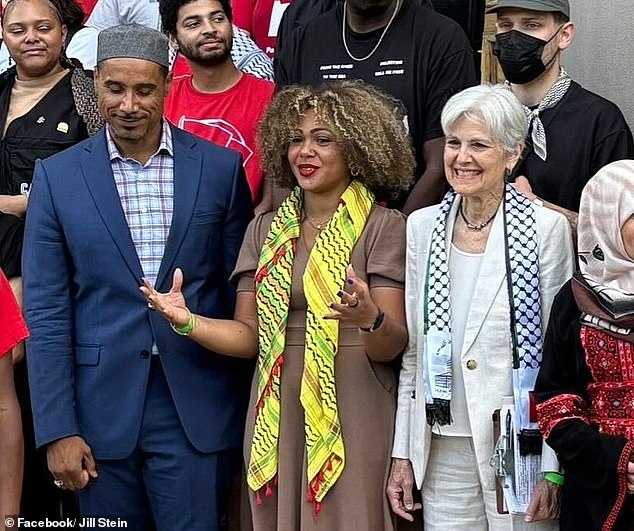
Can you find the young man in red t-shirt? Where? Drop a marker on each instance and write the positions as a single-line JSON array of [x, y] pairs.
[[12, 331], [217, 101]]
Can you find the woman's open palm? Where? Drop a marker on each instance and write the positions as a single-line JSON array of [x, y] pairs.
[[170, 305]]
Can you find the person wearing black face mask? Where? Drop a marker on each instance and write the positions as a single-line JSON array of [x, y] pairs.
[[521, 55], [573, 132]]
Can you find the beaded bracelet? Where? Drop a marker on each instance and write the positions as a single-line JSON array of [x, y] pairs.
[[554, 477], [187, 329]]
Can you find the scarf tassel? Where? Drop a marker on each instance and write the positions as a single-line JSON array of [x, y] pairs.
[[268, 491], [439, 412], [314, 486], [310, 498]]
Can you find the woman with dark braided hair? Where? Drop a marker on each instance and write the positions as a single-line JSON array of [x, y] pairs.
[[320, 304]]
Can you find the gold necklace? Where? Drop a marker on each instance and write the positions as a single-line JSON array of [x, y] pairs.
[[317, 225]]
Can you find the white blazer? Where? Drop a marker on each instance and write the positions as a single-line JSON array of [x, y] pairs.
[[487, 340]]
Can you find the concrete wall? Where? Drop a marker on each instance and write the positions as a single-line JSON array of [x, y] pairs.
[[601, 57]]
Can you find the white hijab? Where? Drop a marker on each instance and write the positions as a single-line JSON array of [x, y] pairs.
[[607, 202]]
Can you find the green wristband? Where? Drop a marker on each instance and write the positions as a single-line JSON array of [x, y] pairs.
[[187, 329], [554, 477]]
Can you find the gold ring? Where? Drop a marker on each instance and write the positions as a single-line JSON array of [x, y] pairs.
[[58, 483], [354, 303]]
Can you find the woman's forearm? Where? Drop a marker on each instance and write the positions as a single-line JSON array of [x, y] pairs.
[[230, 338], [386, 342]]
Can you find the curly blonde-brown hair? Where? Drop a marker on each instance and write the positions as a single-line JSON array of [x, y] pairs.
[[368, 126]]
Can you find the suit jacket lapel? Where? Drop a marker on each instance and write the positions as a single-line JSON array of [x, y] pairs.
[[187, 172], [107, 201], [492, 274]]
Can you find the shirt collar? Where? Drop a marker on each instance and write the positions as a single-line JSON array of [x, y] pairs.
[[165, 144]]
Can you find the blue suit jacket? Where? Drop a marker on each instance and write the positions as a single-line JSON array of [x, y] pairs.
[[91, 329]]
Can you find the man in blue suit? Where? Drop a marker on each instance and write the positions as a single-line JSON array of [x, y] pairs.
[[145, 424]]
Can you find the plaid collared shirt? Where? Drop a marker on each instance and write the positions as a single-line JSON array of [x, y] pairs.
[[147, 198]]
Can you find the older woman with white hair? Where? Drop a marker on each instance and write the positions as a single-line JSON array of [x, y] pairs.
[[482, 270]]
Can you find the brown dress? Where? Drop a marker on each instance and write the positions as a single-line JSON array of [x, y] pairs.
[[366, 395]]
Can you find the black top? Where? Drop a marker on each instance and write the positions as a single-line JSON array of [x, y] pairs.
[[301, 12], [589, 459], [423, 60], [51, 126], [584, 132]]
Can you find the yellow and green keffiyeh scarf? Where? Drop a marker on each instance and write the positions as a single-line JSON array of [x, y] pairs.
[[324, 276]]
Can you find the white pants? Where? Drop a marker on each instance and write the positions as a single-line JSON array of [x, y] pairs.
[[453, 497]]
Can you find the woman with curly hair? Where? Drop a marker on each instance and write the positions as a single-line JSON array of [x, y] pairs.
[[320, 303]]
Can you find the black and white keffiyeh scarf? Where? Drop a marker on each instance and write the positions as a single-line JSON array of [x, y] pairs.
[[522, 273], [535, 125]]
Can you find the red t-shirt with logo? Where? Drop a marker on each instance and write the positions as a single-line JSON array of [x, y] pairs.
[[261, 18], [12, 327], [228, 118]]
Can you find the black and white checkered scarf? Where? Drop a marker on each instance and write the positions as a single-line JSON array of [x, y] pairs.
[[522, 272], [536, 128]]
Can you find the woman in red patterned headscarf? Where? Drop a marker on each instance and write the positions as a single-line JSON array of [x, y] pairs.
[[585, 390]]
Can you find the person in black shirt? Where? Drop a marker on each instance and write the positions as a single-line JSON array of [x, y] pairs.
[[301, 12], [573, 132], [414, 54]]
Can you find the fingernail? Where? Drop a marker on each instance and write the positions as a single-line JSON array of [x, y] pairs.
[[349, 281], [340, 294], [331, 304], [528, 518]]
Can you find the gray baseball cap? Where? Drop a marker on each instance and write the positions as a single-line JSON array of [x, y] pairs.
[[133, 41], [562, 6]]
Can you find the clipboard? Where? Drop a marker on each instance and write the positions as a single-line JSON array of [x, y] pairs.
[[499, 490], [516, 474]]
